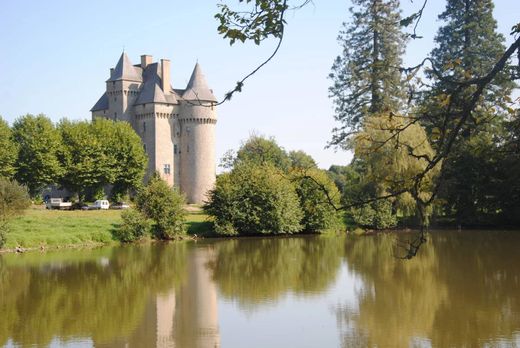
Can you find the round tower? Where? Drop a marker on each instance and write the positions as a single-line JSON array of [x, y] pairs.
[[197, 121]]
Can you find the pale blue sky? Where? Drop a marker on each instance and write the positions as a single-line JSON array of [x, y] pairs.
[[56, 55]]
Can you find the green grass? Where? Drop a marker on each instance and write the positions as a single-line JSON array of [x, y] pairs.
[[51, 228], [199, 223], [55, 229]]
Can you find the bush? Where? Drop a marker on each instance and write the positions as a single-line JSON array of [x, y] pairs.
[[14, 199], [254, 199], [378, 215], [165, 206], [134, 227], [313, 186]]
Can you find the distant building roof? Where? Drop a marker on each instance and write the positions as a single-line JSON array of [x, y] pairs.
[[151, 91], [124, 70], [101, 104], [197, 88]]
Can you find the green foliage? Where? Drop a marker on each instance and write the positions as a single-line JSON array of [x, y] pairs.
[[164, 206], [467, 47], [299, 159], [378, 215], [260, 20], [254, 199], [100, 153], [9, 151], [134, 226], [259, 150], [318, 197], [365, 76], [38, 143], [14, 199]]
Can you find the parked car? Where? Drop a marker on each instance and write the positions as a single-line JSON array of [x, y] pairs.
[[99, 204], [58, 203], [120, 205]]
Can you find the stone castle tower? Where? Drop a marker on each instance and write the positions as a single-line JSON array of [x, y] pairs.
[[177, 126]]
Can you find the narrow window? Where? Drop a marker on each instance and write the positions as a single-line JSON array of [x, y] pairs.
[[187, 148], [167, 169], [175, 149], [144, 147], [115, 116], [144, 126]]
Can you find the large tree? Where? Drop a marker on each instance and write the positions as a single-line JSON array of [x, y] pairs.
[[9, 150], [366, 76], [100, 153], [38, 142], [467, 48]]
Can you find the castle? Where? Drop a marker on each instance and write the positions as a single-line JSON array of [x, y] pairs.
[[177, 126]]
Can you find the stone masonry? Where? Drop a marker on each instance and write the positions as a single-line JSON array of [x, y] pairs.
[[177, 126]]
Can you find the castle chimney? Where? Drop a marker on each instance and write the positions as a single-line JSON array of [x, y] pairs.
[[145, 60], [111, 72], [165, 67]]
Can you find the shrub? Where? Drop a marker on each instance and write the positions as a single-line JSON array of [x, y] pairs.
[[314, 189], [165, 206], [14, 199], [134, 227], [254, 199], [378, 215]]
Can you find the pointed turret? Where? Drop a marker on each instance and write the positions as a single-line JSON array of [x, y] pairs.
[[124, 70], [197, 88]]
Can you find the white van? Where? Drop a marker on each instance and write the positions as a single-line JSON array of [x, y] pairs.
[[100, 204]]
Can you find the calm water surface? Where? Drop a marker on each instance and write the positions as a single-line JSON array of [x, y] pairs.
[[463, 290]]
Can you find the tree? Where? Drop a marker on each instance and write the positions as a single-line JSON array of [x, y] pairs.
[[299, 159], [14, 199], [125, 147], [100, 153], [164, 206], [468, 46], [9, 151], [260, 150], [366, 77], [83, 155], [393, 162], [38, 145], [254, 199], [318, 213]]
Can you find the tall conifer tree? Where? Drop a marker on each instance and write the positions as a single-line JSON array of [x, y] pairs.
[[366, 77], [468, 47]]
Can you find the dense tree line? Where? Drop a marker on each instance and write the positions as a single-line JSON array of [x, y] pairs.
[[458, 101], [395, 141], [82, 157], [270, 191]]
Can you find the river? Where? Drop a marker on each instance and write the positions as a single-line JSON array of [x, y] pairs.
[[462, 290]]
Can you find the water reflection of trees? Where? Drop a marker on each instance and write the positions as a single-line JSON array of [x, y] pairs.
[[101, 299], [254, 270], [462, 290]]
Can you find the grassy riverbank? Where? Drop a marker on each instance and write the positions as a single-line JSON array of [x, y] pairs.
[[56, 229]]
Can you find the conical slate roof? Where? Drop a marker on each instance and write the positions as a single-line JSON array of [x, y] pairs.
[[124, 70], [197, 88]]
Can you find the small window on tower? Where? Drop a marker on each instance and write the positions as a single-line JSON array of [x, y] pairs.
[[167, 169], [144, 147], [115, 99], [144, 126], [175, 149], [115, 116]]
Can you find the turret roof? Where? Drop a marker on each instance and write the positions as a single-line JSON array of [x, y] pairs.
[[124, 70], [151, 91], [101, 104], [197, 88]]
